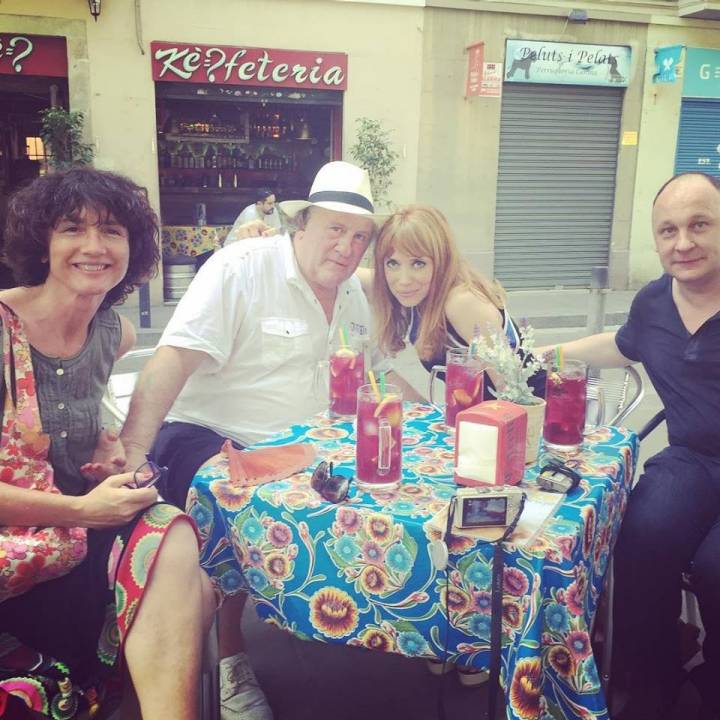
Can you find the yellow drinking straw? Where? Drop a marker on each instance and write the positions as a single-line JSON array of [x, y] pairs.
[[343, 338], [559, 357], [374, 384]]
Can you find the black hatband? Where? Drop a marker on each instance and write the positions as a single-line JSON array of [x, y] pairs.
[[349, 198]]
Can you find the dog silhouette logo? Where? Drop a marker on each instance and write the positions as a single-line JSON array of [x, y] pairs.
[[523, 61], [615, 75]]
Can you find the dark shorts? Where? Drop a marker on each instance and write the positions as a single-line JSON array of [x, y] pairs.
[[182, 448], [66, 617]]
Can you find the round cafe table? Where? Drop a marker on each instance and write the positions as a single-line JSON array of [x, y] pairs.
[[359, 573]]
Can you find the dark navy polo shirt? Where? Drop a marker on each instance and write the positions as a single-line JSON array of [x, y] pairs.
[[684, 368]]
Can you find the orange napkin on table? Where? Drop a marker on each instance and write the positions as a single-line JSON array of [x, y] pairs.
[[264, 465]]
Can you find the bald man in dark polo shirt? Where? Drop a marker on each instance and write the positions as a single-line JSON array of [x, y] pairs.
[[672, 520]]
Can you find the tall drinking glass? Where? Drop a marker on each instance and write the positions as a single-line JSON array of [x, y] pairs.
[[347, 370], [378, 453], [565, 397], [464, 380]]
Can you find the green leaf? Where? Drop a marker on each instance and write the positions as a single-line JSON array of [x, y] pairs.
[[373, 152], [62, 133]]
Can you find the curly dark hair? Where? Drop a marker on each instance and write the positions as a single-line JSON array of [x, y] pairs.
[[34, 211]]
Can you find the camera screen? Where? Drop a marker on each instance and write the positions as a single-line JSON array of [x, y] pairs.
[[481, 512]]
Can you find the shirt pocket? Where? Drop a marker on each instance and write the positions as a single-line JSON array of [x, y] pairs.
[[284, 339]]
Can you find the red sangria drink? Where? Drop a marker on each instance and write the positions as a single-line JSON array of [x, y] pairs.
[[565, 397], [464, 380], [378, 452], [463, 388], [347, 370]]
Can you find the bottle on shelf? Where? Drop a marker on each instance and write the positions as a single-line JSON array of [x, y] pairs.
[[220, 180]]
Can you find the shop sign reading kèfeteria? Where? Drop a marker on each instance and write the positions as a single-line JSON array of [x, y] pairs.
[[227, 65]]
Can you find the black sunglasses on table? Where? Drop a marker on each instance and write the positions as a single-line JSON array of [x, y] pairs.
[[331, 487]]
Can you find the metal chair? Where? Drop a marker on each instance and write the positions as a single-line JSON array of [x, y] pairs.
[[119, 390], [116, 401], [617, 393]]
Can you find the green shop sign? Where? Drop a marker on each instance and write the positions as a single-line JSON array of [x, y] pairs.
[[702, 73], [532, 61]]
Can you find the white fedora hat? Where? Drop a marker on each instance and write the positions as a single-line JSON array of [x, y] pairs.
[[339, 186]]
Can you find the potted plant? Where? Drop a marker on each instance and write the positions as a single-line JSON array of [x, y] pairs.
[[374, 152], [515, 366], [62, 133]]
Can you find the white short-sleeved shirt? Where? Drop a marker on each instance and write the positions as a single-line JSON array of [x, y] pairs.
[[249, 214], [267, 337]]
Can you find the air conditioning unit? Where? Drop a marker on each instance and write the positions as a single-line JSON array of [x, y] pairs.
[[699, 9]]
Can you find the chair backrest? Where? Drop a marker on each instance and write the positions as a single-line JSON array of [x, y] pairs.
[[619, 392], [119, 390]]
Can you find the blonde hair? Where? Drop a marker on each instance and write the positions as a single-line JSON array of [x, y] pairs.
[[423, 231]]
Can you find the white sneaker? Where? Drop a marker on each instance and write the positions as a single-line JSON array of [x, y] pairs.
[[241, 697]]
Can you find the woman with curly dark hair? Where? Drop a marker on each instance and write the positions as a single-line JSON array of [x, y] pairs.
[[79, 241]]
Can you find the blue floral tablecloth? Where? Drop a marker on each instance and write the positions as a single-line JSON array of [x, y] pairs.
[[359, 573]]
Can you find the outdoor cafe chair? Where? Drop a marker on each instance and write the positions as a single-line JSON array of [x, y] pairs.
[[119, 390], [619, 392]]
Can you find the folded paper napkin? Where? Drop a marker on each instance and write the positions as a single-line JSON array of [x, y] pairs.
[[264, 465]]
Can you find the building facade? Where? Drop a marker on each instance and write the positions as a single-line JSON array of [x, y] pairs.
[[537, 128]]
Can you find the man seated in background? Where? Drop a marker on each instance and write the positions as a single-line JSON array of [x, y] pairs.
[[672, 522], [263, 209]]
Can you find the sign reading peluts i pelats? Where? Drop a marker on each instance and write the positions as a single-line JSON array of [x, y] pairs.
[[229, 65], [534, 61]]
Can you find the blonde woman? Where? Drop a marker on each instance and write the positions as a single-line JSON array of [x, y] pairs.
[[426, 294]]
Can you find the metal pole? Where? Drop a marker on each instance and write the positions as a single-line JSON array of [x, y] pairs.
[[596, 300], [596, 304], [144, 297]]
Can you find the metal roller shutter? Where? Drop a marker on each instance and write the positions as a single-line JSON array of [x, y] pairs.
[[556, 183], [698, 146]]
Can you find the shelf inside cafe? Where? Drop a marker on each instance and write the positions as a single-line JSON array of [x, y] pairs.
[[220, 153]]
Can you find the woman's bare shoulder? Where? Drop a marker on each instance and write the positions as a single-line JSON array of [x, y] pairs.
[[465, 309]]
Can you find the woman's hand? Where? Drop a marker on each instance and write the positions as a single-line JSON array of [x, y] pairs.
[[544, 354], [114, 502], [108, 458]]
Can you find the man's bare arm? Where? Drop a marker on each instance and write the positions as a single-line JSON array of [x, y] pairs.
[[159, 384], [598, 351]]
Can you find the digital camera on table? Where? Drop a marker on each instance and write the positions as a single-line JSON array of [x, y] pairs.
[[482, 507]]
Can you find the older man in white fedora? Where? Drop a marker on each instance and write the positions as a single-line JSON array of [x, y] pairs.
[[239, 359]]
